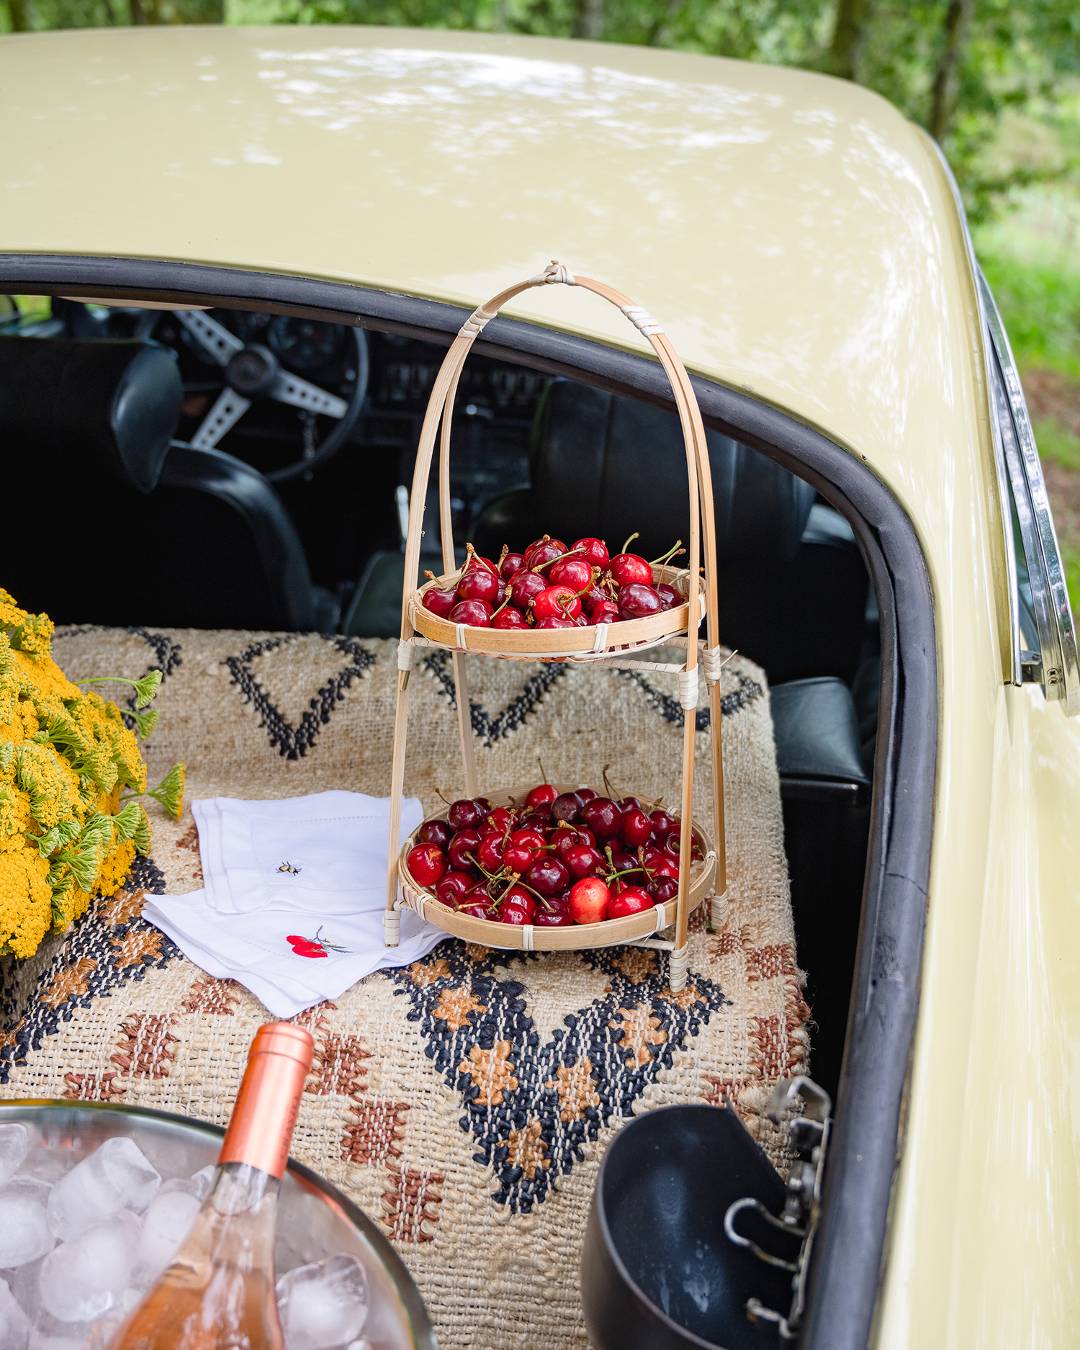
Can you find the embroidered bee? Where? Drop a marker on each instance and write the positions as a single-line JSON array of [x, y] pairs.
[[287, 866]]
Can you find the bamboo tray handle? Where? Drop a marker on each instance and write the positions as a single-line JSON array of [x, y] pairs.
[[438, 418]]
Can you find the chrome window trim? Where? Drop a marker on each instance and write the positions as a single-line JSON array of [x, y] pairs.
[[981, 292], [1059, 669]]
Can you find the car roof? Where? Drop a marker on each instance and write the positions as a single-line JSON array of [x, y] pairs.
[[795, 234]]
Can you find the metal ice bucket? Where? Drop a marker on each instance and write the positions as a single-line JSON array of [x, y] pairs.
[[316, 1220]]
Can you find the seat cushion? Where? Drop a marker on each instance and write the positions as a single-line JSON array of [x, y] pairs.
[[818, 748]]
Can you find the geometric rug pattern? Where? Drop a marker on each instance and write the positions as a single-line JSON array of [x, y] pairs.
[[464, 1101]]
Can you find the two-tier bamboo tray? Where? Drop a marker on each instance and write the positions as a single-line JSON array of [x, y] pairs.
[[613, 644]]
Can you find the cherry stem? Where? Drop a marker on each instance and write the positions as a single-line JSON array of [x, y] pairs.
[[570, 553], [438, 793], [609, 787], [471, 556], [614, 876], [543, 776], [635, 535], [675, 551]]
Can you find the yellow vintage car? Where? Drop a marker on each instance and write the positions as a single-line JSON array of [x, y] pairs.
[[304, 217]]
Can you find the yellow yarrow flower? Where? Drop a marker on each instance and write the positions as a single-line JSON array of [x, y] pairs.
[[68, 832], [25, 901]]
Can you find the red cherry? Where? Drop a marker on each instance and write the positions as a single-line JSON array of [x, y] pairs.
[[525, 587], [544, 550], [547, 875], [663, 822], [426, 864], [622, 861], [663, 889], [573, 572], [567, 806], [540, 796], [501, 818], [630, 900], [439, 602], [479, 584], [602, 817], [509, 619], [638, 602], [669, 596], [563, 840], [434, 832], [476, 909], [554, 622], [515, 915], [473, 613], [465, 814], [553, 913], [538, 820], [594, 551], [464, 843], [630, 568], [511, 565], [636, 827], [451, 886], [586, 794], [605, 612], [522, 848], [557, 602], [582, 860], [489, 852], [589, 900]]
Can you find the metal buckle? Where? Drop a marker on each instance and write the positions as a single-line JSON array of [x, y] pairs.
[[807, 1137]]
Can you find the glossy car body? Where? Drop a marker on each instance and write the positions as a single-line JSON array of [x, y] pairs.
[[803, 245]]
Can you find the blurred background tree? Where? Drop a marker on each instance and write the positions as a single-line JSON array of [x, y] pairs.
[[996, 83]]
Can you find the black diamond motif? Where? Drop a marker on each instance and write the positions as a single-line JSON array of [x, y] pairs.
[[491, 728], [166, 650], [293, 742], [508, 1080]]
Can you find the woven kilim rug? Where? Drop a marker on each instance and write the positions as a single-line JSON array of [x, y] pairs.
[[463, 1102]]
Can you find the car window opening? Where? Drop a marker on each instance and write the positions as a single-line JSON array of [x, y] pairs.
[[297, 496]]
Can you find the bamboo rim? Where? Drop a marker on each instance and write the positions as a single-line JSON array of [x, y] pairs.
[[555, 643], [575, 937]]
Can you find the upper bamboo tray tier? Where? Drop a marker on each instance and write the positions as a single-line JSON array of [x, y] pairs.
[[590, 643]]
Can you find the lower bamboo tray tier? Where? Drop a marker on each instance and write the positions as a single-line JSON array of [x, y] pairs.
[[609, 933], [591, 642]]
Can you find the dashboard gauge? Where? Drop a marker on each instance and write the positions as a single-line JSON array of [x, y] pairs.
[[305, 344], [249, 327]]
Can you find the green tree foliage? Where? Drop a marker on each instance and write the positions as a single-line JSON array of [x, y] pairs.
[[958, 67]]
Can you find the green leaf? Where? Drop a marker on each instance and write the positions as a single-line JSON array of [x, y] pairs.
[[142, 831], [146, 688], [84, 863], [7, 753], [126, 822], [170, 791], [146, 721], [97, 832]]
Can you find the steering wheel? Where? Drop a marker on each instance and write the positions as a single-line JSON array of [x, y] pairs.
[[252, 372]]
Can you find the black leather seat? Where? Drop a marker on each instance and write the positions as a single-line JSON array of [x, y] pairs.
[[115, 524]]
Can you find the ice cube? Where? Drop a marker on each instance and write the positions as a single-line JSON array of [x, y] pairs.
[[323, 1304], [203, 1179], [47, 1164], [14, 1146], [24, 1222], [82, 1279], [14, 1323], [115, 1176], [165, 1225]]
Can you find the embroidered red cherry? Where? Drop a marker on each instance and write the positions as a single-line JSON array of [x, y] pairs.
[[303, 946]]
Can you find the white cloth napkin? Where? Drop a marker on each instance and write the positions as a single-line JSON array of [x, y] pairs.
[[294, 895]]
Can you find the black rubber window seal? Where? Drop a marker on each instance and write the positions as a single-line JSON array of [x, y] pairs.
[[846, 1272]]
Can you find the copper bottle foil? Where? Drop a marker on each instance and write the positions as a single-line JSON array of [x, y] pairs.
[[269, 1098]]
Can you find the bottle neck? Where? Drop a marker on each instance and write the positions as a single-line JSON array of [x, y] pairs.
[[269, 1098]]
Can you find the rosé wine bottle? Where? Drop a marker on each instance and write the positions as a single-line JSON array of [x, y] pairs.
[[217, 1293]]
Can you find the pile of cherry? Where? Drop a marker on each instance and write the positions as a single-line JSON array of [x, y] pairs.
[[552, 586], [553, 860]]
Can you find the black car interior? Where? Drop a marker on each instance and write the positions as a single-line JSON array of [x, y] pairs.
[[96, 402]]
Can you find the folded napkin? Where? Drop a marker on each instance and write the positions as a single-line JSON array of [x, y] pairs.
[[294, 895]]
